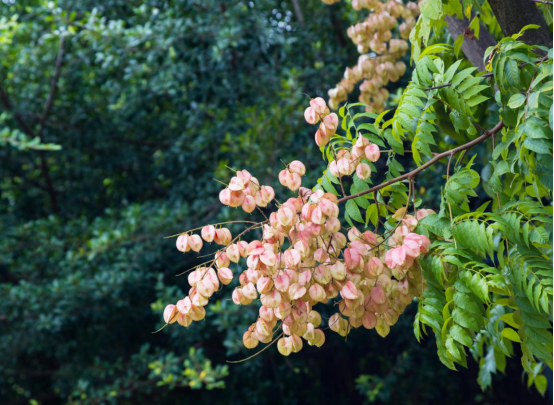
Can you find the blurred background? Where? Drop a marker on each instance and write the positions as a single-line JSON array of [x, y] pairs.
[[115, 118]]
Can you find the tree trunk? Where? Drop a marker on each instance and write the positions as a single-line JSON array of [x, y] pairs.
[[513, 15], [474, 49]]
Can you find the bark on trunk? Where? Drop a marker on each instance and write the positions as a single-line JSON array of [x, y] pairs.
[[513, 15]]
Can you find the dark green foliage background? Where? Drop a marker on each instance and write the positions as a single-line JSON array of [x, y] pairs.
[[155, 98]]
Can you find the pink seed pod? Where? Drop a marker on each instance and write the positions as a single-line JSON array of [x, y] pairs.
[[343, 167], [236, 184], [322, 275], [319, 106], [237, 198], [198, 313], [221, 260], [349, 291], [225, 196], [327, 207], [338, 271], [310, 116], [332, 225], [292, 258], [378, 295], [361, 142], [225, 275], [223, 236], [404, 286], [296, 343], [305, 277], [317, 293], [284, 345], [373, 268], [249, 204], [268, 194], [322, 137], [266, 314], [195, 243], [271, 300], [293, 181], [296, 291], [249, 291], [369, 320], [184, 306], [243, 248], [205, 288], [333, 169], [372, 153], [286, 215], [283, 310], [331, 123], [268, 258], [395, 257], [422, 213], [317, 216], [354, 234], [282, 282], [264, 285], [237, 296], [248, 340], [208, 233], [170, 314], [245, 176], [283, 177], [197, 299], [351, 258], [232, 253], [297, 167], [184, 320], [363, 171], [182, 243]]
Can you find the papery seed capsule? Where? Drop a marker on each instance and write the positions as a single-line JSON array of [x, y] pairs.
[[372, 153], [310, 116], [170, 314], [338, 271], [225, 275], [248, 340], [195, 243], [249, 204], [184, 320], [296, 342], [349, 291], [369, 320], [297, 167], [208, 233], [184, 306], [363, 171], [182, 243], [317, 293], [284, 345]]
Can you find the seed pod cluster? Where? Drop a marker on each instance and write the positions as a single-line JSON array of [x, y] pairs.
[[304, 259], [375, 34]]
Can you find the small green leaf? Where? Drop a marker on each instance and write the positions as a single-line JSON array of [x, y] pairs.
[[516, 101], [511, 334]]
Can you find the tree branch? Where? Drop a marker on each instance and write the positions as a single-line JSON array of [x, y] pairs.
[[474, 49], [431, 162], [42, 120]]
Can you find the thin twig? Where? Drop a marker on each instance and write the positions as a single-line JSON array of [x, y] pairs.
[[431, 162]]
